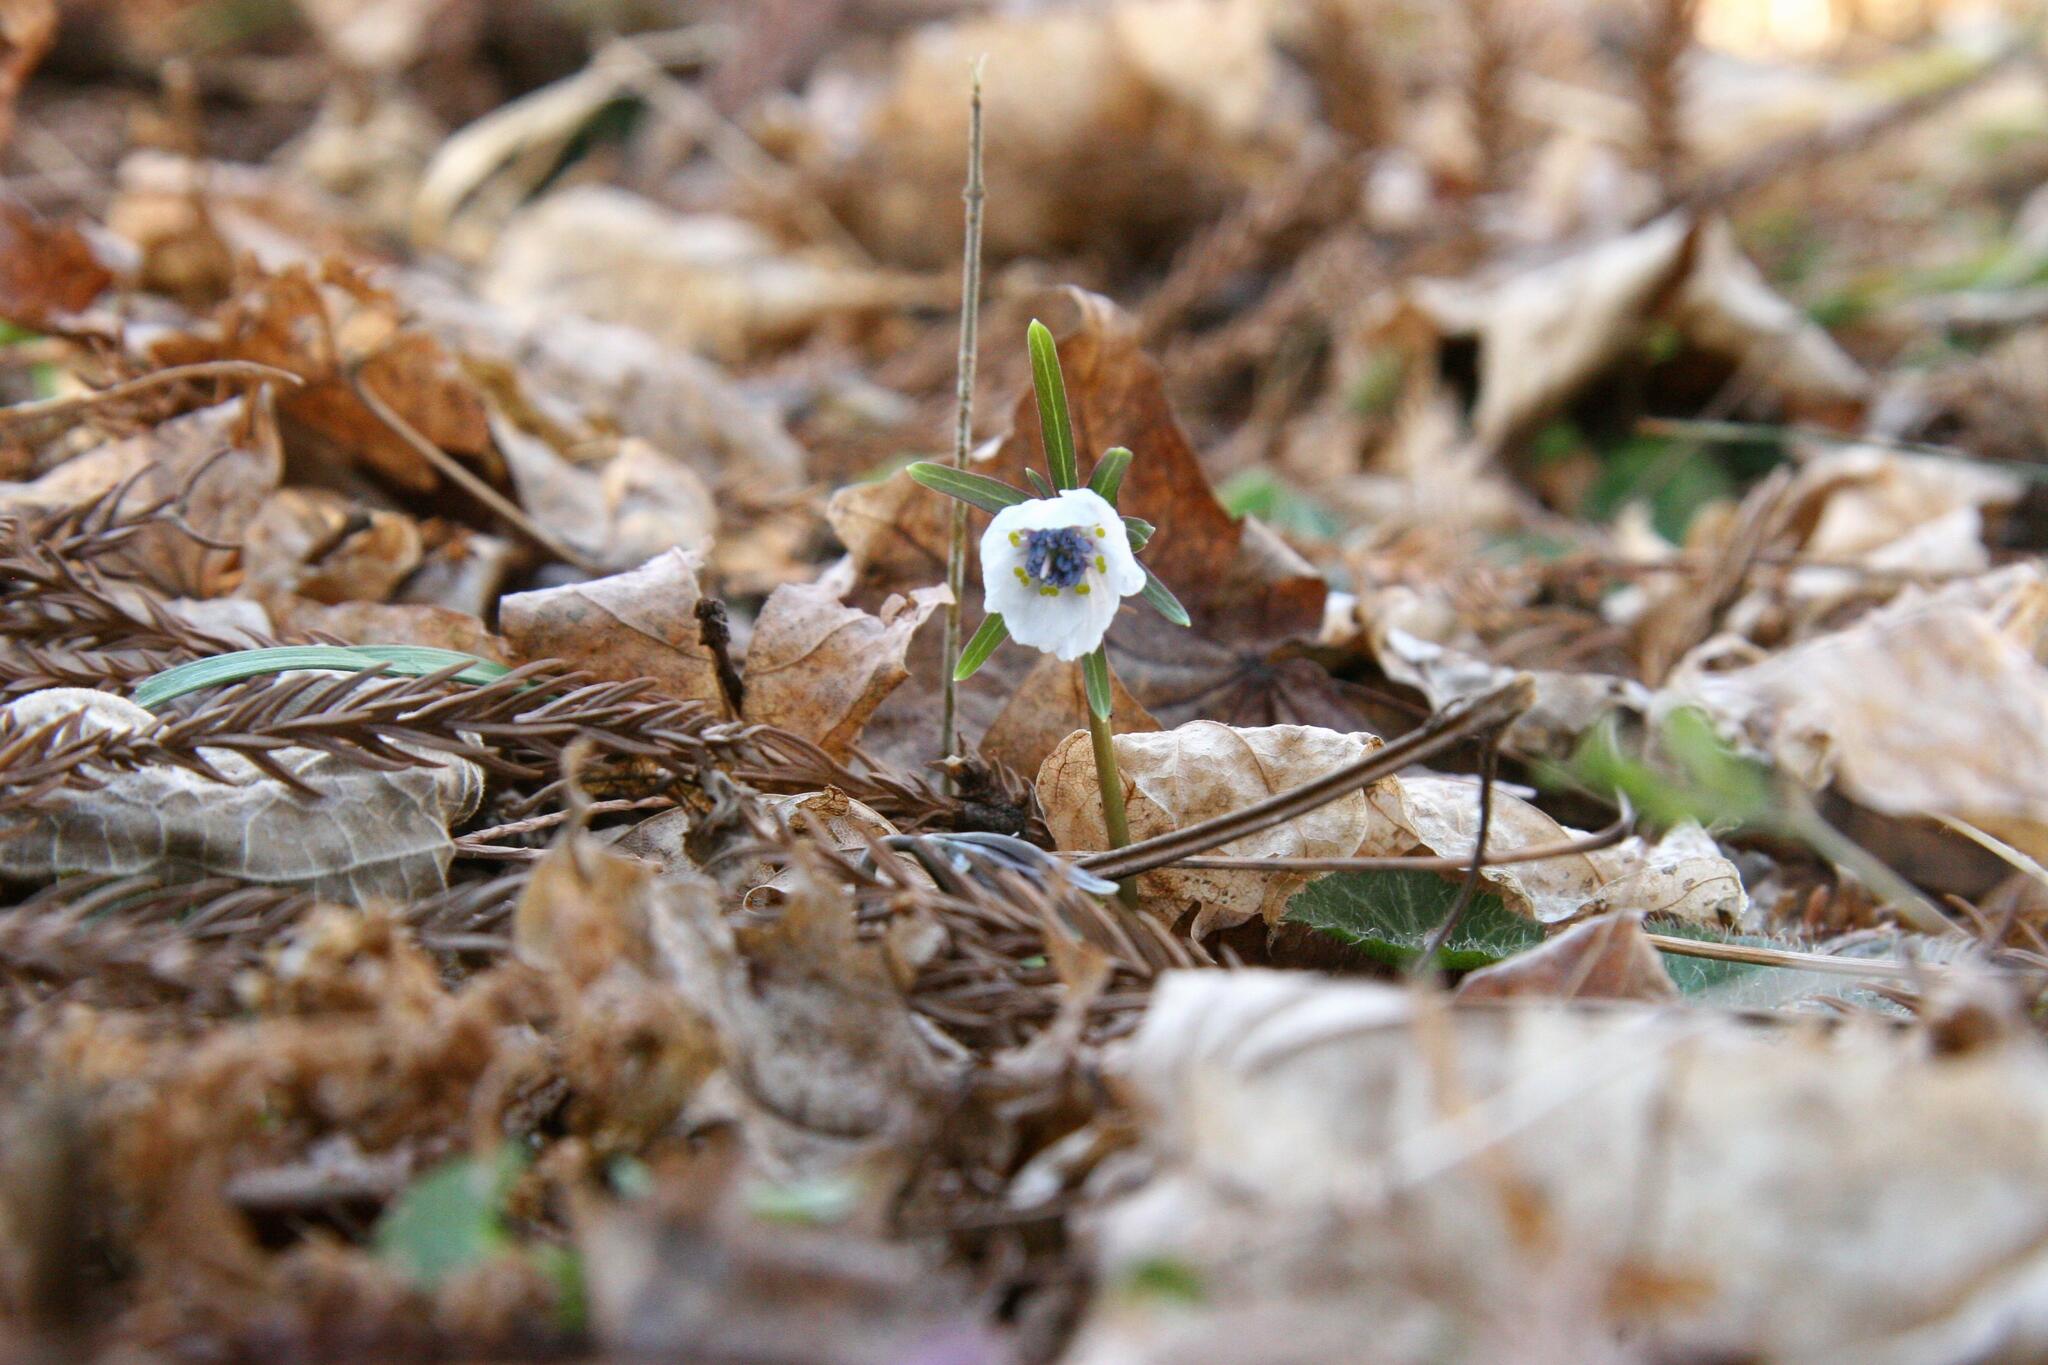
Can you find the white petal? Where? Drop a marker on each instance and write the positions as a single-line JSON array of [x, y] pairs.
[[1067, 624]]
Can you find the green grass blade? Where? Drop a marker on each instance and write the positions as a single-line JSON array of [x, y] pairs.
[[977, 490], [1055, 420], [221, 669], [985, 642]]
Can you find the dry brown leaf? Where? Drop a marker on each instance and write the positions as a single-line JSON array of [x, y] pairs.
[[709, 283], [368, 835], [821, 1051], [1607, 958], [323, 329], [389, 623], [585, 911], [820, 668], [1809, 1201], [322, 546], [1544, 333], [27, 29], [1936, 704], [47, 270], [638, 505], [1082, 163], [1049, 704], [1203, 769], [640, 624], [219, 462]]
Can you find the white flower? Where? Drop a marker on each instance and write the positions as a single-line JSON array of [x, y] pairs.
[[1057, 569]]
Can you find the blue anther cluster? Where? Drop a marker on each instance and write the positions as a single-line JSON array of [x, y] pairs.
[[1059, 557]]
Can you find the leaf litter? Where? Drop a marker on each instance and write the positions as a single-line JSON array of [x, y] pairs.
[[1585, 897]]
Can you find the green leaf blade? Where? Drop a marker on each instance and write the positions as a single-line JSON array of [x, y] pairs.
[[1162, 600], [994, 630], [1055, 419], [1390, 915], [1140, 531], [1107, 478], [402, 660], [977, 490]]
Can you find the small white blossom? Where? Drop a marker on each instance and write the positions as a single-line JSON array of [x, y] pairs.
[[1057, 569]]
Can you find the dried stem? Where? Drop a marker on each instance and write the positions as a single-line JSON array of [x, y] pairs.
[[20, 415], [963, 427], [1591, 843]]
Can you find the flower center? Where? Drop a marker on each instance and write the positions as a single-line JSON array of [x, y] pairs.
[[1058, 557]]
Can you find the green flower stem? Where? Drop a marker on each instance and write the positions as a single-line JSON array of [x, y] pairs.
[[1114, 818]]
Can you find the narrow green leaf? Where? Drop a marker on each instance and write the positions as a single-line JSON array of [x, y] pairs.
[[1163, 601], [985, 642], [1391, 915], [1095, 673], [1055, 421], [1140, 532], [977, 490], [406, 660], [1045, 490], [1108, 475]]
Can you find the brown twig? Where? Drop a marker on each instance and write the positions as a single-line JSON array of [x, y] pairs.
[[45, 409], [1591, 843], [1425, 961], [1447, 729], [459, 474]]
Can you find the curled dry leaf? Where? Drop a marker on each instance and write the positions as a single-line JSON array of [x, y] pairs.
[[1795, 1179], [820, 668], [640, 624], [1204, 769], [1931, 705], [1545, 333], [1606, 958], [364, 835], [325, 328]]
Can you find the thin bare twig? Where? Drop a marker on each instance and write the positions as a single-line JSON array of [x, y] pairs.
[[44, 409], [1591, 843], [963, 426], [1447, 729], [1425, 961]]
